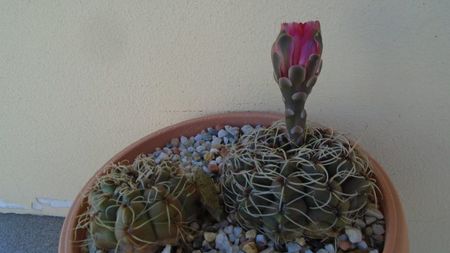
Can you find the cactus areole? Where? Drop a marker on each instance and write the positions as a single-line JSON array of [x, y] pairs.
[[296, 58]]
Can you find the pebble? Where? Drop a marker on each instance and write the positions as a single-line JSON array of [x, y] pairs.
[[198, 137], [237, 231], [260, 240], [228, 229], [378, 229], [246, 129], [301, 241], [370, 219], [342, 237], [354, 234], [362, 245], [206, 245], [213, 168], [209, 236], [184, 140], [374, 213], [215, 143], [345, 245], [162, 156], [222, 133], [360, 223], [373, 251], [167, 249], [251, 234], [268, 250], [196, 156], [197, 251], [250, 247], [208, 156], [293, 247], [234, 131], [308, 251], [329, 248], [322, 251], [200, 149], [369, 231], [211, 131], [222, 243]]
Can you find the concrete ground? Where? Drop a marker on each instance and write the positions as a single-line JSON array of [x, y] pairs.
[[20, 233]]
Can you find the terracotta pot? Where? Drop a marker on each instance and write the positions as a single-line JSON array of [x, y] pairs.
[[396, 240]]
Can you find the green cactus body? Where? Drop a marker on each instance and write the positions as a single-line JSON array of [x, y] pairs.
[[138, 206], [286, 191]]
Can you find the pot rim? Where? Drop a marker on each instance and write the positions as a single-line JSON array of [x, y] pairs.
[[396, 239]]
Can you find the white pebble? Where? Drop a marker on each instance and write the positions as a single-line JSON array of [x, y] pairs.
[[261, 240], [293, 247], [329, 248], [268, 250], [167, 249], [378, 229], [322, 251], [237, 231], [228, 229], [246, 129], [209, 236], [250, 235], [222, 133], [374, 213], [354, 234], [222, 243], [370, 219], [362, 245]]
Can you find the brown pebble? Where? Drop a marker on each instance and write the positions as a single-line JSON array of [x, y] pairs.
[[250, 247], [345, 245], [213, 168]]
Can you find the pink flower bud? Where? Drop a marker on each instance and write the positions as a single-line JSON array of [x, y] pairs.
[[295, 44]]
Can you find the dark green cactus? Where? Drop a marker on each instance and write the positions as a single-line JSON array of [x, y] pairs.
[[314, 190], [136, 207]]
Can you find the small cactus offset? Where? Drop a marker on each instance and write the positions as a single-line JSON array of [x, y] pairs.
[[133, 208], [296, 58], [314, 190]]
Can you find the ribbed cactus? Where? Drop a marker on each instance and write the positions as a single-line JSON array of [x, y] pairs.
[[136, 207], [313, 190]]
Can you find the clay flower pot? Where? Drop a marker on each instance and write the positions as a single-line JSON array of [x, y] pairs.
[[396, 240]]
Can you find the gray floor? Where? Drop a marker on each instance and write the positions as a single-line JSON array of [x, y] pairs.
[[21, 233]]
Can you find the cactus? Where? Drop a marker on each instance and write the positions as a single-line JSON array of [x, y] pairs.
[[133, 208], [314, 190]]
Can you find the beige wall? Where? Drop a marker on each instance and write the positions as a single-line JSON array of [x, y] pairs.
[[82, 79]]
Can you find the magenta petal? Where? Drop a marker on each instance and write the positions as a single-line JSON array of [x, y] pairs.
[[303, 44], [308, 49]]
